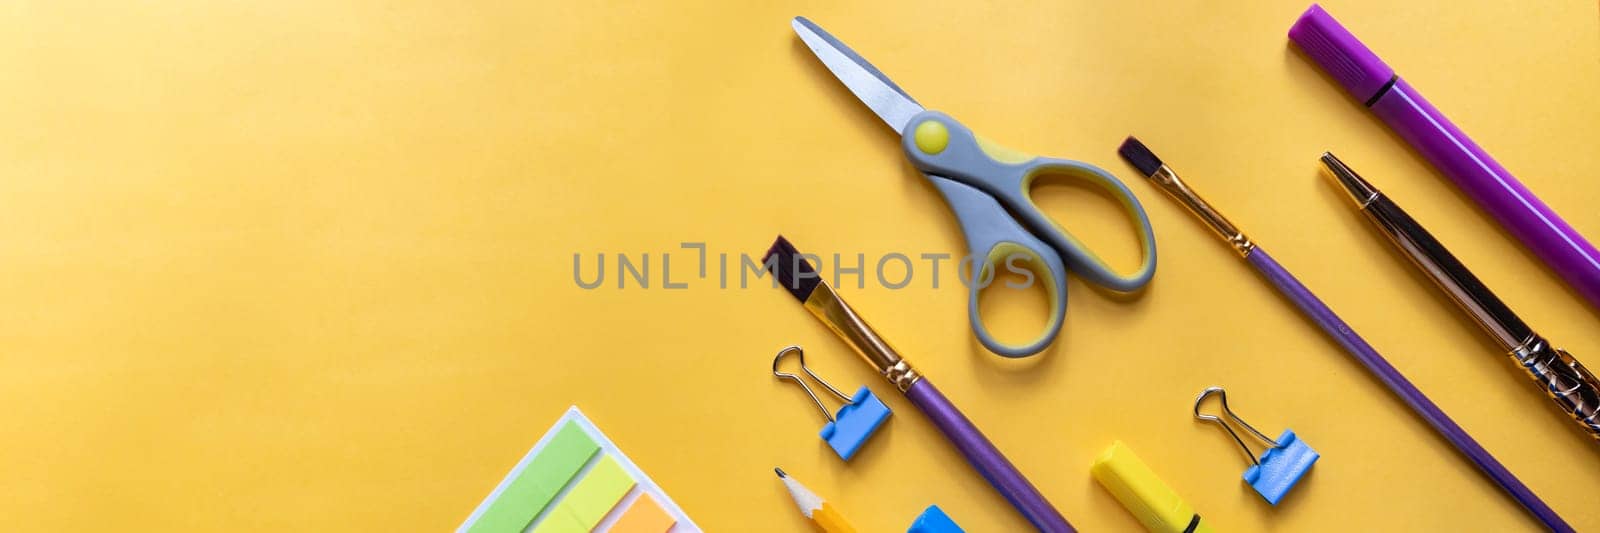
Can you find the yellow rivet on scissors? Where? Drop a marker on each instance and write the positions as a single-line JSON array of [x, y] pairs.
[[931, 137]]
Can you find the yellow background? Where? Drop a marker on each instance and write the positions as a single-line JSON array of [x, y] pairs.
[[308, 265]]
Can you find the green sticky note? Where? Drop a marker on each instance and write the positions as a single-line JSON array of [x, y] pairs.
[[533, 488], [589, 501]]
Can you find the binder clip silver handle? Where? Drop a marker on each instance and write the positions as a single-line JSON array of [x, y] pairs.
[[857, 420], [800, 355]]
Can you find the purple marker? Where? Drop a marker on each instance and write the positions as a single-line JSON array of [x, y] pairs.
[[1370, 80]]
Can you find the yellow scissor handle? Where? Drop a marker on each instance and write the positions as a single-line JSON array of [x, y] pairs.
[[940, 146]]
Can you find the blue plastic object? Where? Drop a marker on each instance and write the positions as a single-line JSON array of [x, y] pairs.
[[933, 520], [855, 423], [1281, 467]]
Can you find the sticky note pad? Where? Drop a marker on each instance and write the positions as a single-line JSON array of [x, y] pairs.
[[558, 520], [590, 499], [597, 492], [644, 516], [576, 480], [531, 490]]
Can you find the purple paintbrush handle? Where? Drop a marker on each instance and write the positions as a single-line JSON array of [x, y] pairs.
[[986, 458], [1497, 191], [1375, 363]]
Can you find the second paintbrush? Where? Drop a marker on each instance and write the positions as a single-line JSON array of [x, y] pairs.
[[790, 267], [1563, 379], [1163, 176]]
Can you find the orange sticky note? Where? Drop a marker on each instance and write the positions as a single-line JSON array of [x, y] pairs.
[[644, 516]]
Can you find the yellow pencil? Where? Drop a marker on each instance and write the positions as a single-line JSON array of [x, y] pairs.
[[820, 512]]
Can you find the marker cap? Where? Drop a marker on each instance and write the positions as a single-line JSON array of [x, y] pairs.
[[1340, 54]]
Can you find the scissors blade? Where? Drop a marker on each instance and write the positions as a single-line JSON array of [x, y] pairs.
[[888, 100]]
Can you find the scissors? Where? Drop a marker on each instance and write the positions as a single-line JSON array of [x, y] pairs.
[[988, 187]]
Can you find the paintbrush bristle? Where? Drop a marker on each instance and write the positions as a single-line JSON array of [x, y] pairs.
[[1135, 153], [791, 269]]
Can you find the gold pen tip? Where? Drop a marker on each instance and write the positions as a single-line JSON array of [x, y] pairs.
[[1362, 192]]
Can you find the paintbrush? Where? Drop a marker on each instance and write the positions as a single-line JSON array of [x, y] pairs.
[[791, 270], [1151, 166]]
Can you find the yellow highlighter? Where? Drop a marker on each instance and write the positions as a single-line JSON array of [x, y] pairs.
[[1150, 500]]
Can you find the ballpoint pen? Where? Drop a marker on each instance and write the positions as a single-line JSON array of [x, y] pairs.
[[1164, 177], [1566, 381], [1371, 81]]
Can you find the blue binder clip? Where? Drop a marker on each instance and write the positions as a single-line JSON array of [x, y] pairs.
[[933, 520], [857, 420], [1286, 460]]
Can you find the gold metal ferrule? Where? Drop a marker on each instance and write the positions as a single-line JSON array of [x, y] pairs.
[[1175, 187], [839, 317]]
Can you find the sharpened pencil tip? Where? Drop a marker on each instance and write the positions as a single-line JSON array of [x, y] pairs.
[[780, 472]]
